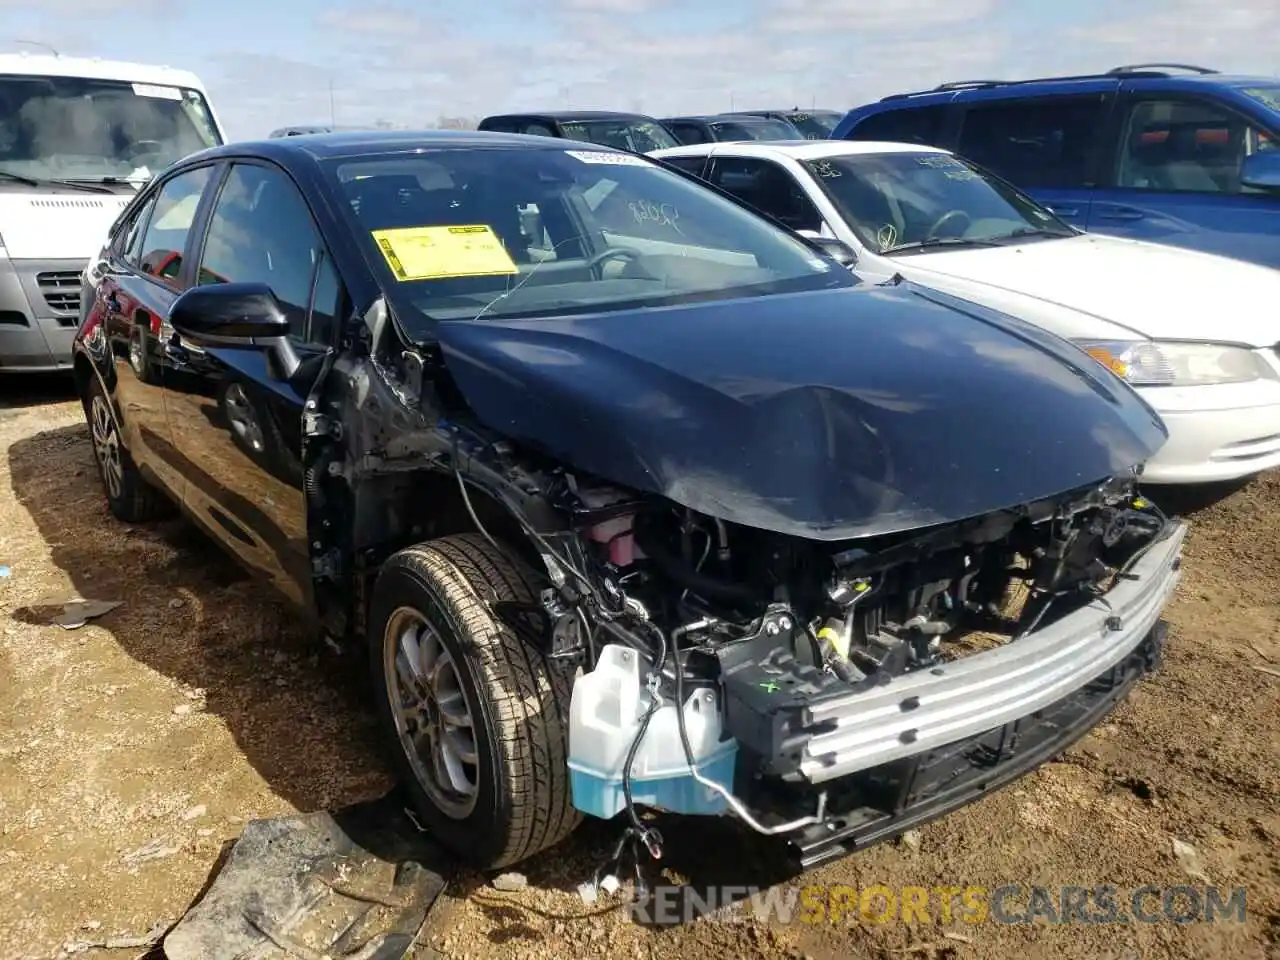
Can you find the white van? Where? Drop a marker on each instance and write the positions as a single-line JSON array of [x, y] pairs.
[[78, 138]]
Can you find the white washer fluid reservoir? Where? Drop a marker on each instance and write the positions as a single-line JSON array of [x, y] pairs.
[[605, 713]]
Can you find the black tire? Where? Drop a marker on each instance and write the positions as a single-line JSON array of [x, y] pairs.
[[130, 498], [518, 699]]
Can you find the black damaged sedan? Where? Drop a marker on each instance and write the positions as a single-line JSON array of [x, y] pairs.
[[634, 498]]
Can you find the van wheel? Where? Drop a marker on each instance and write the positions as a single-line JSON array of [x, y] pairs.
[[129, 497], [478, 720]]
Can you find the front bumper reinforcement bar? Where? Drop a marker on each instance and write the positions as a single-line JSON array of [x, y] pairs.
[[955, 701]]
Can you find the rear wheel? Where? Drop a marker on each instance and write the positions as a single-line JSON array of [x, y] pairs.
[[476, 717], [130, 497]]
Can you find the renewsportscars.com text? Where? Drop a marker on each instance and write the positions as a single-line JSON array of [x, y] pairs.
[[1008, 904]]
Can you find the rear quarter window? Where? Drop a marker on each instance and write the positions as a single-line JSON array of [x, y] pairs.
[[922, 125]]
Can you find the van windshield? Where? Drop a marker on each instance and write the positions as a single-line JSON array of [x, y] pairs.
[[90, 130]]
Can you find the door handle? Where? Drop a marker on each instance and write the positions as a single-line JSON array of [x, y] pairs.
[[1121, 213]]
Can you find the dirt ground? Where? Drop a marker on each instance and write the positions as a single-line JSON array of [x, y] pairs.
[[199, 704]]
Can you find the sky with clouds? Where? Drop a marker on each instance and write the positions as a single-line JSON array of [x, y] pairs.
[[268, 64]]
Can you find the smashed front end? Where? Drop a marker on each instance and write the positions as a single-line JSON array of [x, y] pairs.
[[833, 694]]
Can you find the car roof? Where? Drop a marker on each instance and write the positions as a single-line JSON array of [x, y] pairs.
[[366, 143], [795, 149], [1037, 86], [572, 115], [94, 68]]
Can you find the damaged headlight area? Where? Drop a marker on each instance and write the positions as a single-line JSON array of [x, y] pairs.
[[829, 692]]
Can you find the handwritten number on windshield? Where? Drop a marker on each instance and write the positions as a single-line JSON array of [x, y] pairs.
[[662, 214]]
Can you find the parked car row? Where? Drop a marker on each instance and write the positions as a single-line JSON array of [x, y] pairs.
[[632, 495], [641, 134], [1155, 314]]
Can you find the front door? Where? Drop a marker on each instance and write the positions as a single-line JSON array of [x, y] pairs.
[[234, 418], [1176, 180]]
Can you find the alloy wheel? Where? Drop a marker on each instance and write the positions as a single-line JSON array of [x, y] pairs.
[[106, 446], [432, 712]]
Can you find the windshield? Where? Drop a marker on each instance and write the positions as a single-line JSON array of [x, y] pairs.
[[898, 201], [761, 129], [816, 124], [462, 234], [73, 128], [638, 136]]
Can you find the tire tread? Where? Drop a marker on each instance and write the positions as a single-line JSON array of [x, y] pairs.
[[528, 695]]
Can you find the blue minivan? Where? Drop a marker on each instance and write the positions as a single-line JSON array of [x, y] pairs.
[[1161, 152]]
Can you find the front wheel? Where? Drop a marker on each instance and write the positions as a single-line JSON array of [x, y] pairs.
[[478, 719]]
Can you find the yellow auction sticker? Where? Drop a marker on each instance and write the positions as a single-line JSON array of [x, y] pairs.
[[440, 253]]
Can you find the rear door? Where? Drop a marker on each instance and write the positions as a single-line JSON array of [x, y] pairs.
[[1174, 176], [928, 126], [146, 272], [1050, 146]]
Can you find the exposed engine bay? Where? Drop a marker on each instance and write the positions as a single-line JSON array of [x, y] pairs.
[[795, 644], [858, 610]]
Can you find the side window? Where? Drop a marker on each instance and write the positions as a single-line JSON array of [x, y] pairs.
[[535, 129], [688, 133], [167, 229], [692, 165], [767, 187], [128, 243], [921, 125], [262, 231], [1184, 147], [1035, 143]]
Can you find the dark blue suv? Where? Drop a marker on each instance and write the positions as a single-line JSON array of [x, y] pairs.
[[1162, 152]]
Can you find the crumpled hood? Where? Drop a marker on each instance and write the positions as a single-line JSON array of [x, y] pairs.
[[829, 415], [57, 226], [1157, 290]]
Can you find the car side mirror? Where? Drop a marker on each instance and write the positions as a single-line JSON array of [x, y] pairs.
[[1261, 171], [243, 315], [837, 250]]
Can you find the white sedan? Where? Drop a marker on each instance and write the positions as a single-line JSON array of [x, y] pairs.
[[1198, 336]]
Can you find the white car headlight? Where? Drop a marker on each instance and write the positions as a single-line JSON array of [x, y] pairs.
[[1156, 363]]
